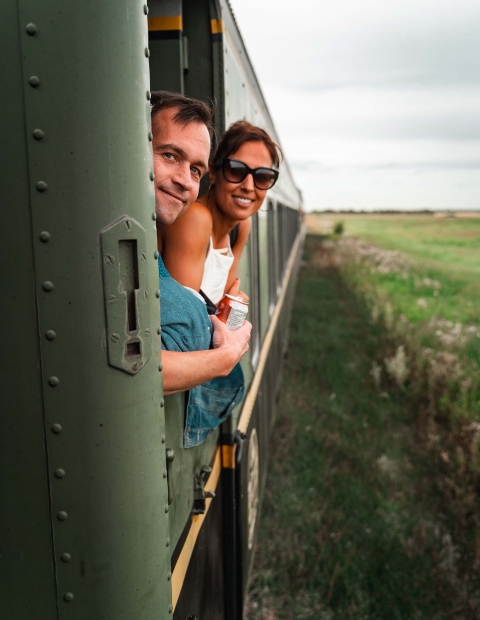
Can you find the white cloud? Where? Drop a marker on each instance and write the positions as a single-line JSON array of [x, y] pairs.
[[376, 104]]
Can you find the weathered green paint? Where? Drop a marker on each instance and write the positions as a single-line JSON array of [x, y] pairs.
[[89, 164]]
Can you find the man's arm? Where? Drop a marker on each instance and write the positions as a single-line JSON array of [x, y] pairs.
[[183, 371]]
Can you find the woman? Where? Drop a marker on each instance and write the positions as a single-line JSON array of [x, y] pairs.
[[196, 247]]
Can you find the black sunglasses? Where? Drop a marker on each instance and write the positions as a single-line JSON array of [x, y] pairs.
[[236, 171]]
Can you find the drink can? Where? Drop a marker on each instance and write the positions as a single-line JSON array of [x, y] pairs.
[[232, 311]]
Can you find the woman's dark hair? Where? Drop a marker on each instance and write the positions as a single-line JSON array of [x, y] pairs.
[[188, 110], [241, 132]]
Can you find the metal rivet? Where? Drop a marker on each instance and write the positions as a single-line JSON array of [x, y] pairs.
[[42, 186], [149, 94], [169, 575], [160, 367], [31, 29], [48, 286], [157, 294], [167, 542], [162, 402], [45, 236], [57, 428], [38, 134], [156, 254], [163, 438], [147, 52], [50, 334], [145, 9], [147, 331], [135, 366], [62, 515], [170, 609], [59, 473], [165, 473], [54, 381], [115, 337], [128, 224], [109, 259], [66, 557], [34, 81], [159, 330], [150, 136], [166, 509], [152, 176], [68, 596], [154, 217]]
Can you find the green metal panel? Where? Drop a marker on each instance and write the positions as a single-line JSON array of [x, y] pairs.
[[166, 48], [187, 463], [77, 431], [197, 29], [27, 582]]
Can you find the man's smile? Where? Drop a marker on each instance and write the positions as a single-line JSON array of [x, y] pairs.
[[172, 194]]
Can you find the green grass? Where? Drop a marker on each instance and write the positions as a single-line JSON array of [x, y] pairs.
[[358, 520], [443, 249]]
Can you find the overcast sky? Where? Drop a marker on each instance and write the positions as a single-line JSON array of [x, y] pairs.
[[377, 103]]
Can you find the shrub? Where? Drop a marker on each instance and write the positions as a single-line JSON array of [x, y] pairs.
[[339, 228]]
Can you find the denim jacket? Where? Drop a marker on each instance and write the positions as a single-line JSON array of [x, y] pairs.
[[187, 327]]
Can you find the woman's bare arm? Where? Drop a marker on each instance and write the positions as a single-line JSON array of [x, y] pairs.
[[185, 245], [237, 250]]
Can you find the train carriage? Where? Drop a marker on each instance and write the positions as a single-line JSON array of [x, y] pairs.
[[104, 513]]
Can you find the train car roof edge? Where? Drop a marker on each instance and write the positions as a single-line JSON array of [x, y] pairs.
[[225, 4]]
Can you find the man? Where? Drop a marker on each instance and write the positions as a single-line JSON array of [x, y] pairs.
[[182, 130]]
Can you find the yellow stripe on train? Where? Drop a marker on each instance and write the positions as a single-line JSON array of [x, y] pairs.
[[171, 22], [216, 25]]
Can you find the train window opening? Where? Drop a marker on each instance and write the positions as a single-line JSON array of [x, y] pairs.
[[129, 278]]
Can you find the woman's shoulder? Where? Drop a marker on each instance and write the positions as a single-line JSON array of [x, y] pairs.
[[197, 220], [198, 214]]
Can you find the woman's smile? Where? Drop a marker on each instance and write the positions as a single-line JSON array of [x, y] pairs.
[[244, 202]]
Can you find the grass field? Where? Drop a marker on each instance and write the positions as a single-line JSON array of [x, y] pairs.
[[446, 250], [372, 496]]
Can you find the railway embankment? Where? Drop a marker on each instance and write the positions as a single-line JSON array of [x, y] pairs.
[[372, 502]]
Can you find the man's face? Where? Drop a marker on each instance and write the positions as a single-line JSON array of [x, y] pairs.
[[180, 158]]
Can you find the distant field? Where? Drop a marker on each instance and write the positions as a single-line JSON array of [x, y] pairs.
[[444, 249], [419, 276]]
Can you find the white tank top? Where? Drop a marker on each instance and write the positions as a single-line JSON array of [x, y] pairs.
[[215, 273]]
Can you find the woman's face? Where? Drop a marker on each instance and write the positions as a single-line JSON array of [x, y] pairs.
[[239, 201]]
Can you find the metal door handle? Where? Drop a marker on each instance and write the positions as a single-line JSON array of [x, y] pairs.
[[170, 456]]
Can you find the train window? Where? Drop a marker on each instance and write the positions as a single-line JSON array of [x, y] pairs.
[[281, 245], [278, 254], [254, 306], [272, 263]]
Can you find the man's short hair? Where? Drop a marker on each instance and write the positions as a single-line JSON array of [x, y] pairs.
[[188, 110]]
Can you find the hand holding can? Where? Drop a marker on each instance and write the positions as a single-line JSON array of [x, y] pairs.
[[232, 311]]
